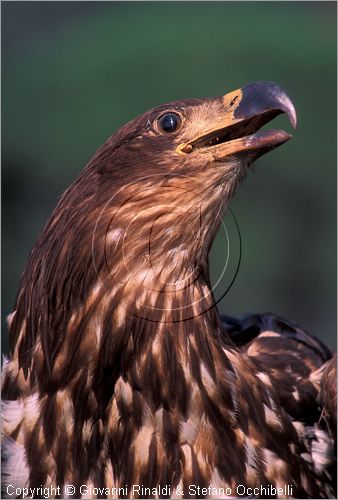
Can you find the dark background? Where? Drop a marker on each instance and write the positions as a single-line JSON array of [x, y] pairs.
[[73, 72]]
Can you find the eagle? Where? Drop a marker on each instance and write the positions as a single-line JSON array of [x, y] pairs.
[[124, 380]]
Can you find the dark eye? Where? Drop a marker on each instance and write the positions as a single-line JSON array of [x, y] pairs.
[[170, 122]]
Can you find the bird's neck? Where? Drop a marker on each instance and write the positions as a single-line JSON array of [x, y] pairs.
[[125, 294], [158, 343]]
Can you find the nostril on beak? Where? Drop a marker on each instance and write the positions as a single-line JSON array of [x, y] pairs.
[[234, 100]]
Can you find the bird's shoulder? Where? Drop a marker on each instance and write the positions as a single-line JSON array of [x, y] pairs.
[[298, 370], [285, 356], [262, 335]]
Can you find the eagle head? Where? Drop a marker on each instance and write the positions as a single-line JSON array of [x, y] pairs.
[[169, 174]]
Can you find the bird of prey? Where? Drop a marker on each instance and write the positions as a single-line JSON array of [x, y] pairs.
[[123, 380]]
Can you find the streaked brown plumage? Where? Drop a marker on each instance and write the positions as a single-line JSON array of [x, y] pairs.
[[122, 372], [326, 379]]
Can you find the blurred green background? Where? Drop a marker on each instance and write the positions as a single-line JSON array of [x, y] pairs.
[[73, 72]]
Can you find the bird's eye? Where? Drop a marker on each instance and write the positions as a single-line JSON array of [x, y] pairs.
[[170, 122]]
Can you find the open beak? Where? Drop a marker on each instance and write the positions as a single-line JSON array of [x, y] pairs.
[[236, 132]]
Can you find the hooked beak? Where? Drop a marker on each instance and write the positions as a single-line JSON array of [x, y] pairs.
[[237, 132]]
